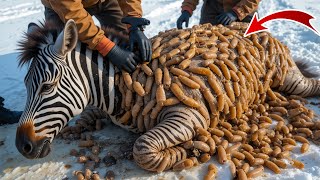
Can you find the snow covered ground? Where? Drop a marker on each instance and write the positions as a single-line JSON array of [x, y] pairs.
[[14, 18]]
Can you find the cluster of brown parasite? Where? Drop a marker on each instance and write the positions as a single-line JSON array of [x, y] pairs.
[[230, 71], [234, 76]]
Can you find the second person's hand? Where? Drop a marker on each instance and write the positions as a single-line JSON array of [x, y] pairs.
[[184, 18], [226, 18], [137, 37]]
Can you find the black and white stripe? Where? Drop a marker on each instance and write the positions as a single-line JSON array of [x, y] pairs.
[[82, 77], [178, 124]]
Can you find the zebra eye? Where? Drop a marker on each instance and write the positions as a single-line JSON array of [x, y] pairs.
[[46, 87]]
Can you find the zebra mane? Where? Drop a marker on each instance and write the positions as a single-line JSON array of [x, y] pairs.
[[31, 43], [47, 32]]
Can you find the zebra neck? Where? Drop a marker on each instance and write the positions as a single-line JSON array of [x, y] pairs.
[[97, 76]]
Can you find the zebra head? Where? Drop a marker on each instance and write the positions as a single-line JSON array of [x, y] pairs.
[[53, 92]]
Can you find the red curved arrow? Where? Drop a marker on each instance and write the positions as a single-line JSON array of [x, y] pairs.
[[293, 15]]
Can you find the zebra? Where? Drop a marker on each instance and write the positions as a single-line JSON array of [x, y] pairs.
[[65, 76]]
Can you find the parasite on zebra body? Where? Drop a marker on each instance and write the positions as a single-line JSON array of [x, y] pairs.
[[238, 155], [138, 88], [202, 138], [178, 72], [206, 63], [209, 55], [201, 50], [147, 70], [171, 101], [234, 147], [174, 61], [245, 167], [236, 162], [188, 82], [190, 53], [224, 143], [185, 63]]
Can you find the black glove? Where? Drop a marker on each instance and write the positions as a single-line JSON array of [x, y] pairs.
[[123, 59], [226, 18], [185, 16], [137, 37]]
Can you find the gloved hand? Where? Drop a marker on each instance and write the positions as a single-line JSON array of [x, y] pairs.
[[121, 58], [226, 18], [137, 37], [185, 16]]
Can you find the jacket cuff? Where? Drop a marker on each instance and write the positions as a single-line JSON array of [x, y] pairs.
[[240, 12], [105, 46], [187, 8]]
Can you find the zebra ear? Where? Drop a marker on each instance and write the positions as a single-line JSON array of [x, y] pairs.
[[31, 27], [67, 39]]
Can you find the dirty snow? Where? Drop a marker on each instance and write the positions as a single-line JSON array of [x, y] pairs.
[[14, 18]]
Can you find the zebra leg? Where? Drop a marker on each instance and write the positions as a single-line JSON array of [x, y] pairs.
[[91, 117], [157, 149]]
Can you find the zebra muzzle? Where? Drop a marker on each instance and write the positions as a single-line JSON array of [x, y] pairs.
[[30, 145]]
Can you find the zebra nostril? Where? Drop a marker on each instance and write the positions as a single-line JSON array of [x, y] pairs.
[[27, 148]]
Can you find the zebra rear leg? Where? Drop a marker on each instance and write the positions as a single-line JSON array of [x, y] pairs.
[[297, 84], [157, 149]]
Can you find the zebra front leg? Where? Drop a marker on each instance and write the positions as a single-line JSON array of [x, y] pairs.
[[157, 149], [91, 117]]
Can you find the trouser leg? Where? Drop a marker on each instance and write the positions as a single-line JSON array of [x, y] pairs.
[[7, 116], [209, 11], [110, 15]]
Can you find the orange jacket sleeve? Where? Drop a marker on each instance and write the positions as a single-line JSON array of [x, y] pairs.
[[245, 7], [189, 5], [131, 8], [89, 33]]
